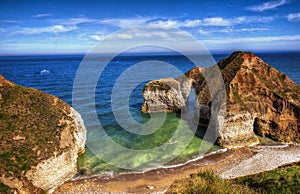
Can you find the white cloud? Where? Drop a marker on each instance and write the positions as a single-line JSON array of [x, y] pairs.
[[73, 21], [230, 30], [293, 17], [97, 37], [49, 29], [253, 29], [263, 43], [123, 36], [204, 32], [268, 5], [41, 15], [175, 23], [9, 21], [165, 24], [252, 19], [216, 21], [138, 34], [35, 47], [149, 21], [255, 39], [126, 22], [147, 34], [213, 21], [192, 23], [220, 21], [145, 37]]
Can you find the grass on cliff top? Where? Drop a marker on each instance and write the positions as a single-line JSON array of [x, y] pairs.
[[230, 66], [6, 189], [207, 182], [29, 128], [282, 180], [285, 179]]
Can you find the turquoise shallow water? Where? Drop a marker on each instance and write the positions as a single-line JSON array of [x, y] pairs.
[[56, 74], [89, 164]]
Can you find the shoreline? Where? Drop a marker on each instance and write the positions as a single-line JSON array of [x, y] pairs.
[[112, 174], [231, 163]]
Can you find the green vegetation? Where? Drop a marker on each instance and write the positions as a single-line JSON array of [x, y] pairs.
[[29, 128], [158, 85], [195, 74], [229, 67], [279, 84], [6, 189], [237, 97], [207, 182], [282, 180]]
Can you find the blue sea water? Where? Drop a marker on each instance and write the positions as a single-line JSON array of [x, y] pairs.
[[56, 75]]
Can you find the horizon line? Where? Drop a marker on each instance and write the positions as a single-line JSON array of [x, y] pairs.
[[143, 53]]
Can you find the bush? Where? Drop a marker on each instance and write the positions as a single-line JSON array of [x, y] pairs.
[[285, 179], [209, 183]]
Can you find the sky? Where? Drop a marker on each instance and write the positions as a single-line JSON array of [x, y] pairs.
[[71, 27]]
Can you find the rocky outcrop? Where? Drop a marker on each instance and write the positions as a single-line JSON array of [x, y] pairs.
[[259, 99], [170, 95], [41, 138], [163, 95], [237, 130], [270, 97]]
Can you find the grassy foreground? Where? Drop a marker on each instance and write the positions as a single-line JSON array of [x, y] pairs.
[[282, 180]]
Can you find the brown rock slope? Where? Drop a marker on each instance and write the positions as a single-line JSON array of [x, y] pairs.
[[259, 99], [41, 137]]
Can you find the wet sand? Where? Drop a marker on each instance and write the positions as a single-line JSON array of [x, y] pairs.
[[229, 164]]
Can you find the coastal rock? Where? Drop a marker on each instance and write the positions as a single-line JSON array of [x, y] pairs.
[[260, 99], [163, 95], [170, 95], [237, 130], [196, 76], [41, 138]]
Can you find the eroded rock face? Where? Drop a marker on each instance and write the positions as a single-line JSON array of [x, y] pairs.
[[163, 95], [41, 137], [170, 95], [259, 99], [237, 130]]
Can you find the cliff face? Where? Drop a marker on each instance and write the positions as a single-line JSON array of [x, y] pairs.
[[260, 100], [163, 95], [170, 95], [41, 137], [270, 97]]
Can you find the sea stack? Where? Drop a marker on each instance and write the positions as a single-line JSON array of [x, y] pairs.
[[169, 94], [163, 95], [259, 101], [41, 138]]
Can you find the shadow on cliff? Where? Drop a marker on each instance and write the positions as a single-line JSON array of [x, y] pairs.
[[189, 113]]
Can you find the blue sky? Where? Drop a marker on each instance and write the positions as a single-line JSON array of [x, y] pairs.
[[50, 27]]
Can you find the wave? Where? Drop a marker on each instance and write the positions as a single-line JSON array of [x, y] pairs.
[[44, 71]]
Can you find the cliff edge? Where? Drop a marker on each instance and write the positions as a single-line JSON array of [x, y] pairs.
[[259, 100], [41, 138]]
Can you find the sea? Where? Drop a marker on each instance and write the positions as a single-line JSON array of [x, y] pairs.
[[125, 76]]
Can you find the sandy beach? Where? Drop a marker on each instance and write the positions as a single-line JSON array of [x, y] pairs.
[[228, 164]]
